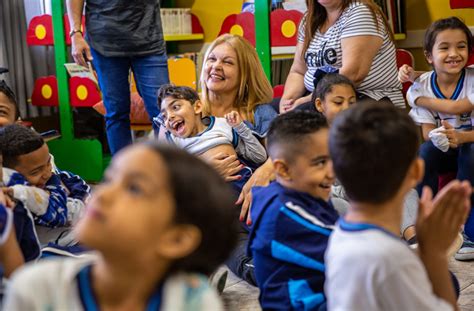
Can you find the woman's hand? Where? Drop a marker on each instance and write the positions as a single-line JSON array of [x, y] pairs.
[[227, 166], [261, 177], [406, 74]]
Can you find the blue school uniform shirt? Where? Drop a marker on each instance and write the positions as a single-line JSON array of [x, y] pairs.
[[287, 241], [23, 220]]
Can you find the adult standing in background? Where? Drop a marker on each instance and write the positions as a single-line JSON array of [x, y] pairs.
[[352, 36], [121, 35]]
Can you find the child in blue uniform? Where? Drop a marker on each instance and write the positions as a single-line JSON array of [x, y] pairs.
[[153, 223], [443, 104], [57, 198], [292, 216]]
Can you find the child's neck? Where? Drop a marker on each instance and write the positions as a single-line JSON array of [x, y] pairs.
[[386, 215], [125, 285], [447, 82], [200, 127]]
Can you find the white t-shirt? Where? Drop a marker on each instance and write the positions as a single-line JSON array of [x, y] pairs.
[[368, 268], [426, 86], [325, 50], [54, 285]]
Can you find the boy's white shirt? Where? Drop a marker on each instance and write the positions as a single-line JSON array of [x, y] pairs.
[[422, 87], [372, 270], [51, 285]]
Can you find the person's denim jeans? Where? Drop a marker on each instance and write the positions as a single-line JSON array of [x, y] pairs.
[[438, 162], [150, 73]]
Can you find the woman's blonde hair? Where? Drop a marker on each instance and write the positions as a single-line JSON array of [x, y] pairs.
[[254, 87], [317, 15]]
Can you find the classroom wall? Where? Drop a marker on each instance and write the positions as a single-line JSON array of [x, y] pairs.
[[211, 13], [420, 14]]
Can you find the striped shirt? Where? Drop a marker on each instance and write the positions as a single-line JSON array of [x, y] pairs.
[[325, 50], [288, 239], [427, 86]]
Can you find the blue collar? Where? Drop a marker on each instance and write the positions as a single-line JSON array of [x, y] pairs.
[[89, 300], [360, 226], [457, 90]]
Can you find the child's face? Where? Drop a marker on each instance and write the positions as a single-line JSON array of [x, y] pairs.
[[181, 117], [7, 111], [311, 170], [449, 54], [35, 166], [340, 98], [131, 212]]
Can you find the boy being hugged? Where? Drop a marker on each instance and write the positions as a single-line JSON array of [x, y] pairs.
[[368, 266], [292, 216]]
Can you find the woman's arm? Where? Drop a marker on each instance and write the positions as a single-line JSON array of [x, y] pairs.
[[355, 67], [294, 85]]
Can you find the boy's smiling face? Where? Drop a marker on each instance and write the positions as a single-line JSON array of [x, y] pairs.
[[7, 111], [35, 166], [181, 117], [311, 170]]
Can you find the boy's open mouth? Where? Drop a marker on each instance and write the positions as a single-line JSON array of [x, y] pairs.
[[178, 127]]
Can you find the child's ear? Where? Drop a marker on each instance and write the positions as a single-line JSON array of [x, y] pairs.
[[197, 106], [428, 57], [281, 169], [179, 241], [416, 171], [319, 105]]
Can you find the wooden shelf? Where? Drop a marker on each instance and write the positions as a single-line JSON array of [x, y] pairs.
[[176, 37]]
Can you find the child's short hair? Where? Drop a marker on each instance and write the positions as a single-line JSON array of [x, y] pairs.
[[286, 135], [326, 83], [177, 92], [202, 199], [372, 145], [7, 91], [17, 140], [443, 24]]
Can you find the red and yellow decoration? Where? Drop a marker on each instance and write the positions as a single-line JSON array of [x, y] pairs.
[[40, 31], [83, 92], [45, 92], [284, 26]]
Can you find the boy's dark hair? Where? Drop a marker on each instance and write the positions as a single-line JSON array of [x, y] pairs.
[[443, 24], [372, 145], [205, 200], [7, 91], [326, 83], [287, 132], [177, 92], [17, 140]]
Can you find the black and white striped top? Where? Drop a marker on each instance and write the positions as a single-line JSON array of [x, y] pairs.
[[325, 50]]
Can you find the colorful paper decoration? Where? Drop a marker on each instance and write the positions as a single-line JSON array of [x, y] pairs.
[[45, 92], [40, 31], [242, 24], [83, 92], [284, 26], [461, 4]]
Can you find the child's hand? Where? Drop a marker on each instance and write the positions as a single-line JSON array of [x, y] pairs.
[[286, 105], [233, 118], [440, 219], [406, 74], [454, 137], [6, 196]]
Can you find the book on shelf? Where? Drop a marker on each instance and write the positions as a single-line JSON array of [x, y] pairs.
[[394, 11]]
